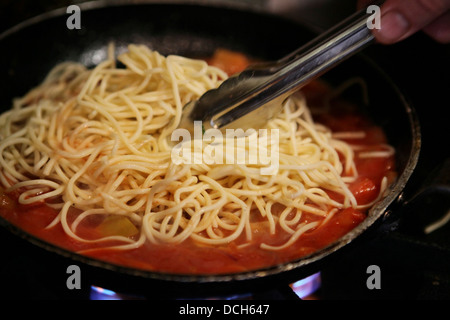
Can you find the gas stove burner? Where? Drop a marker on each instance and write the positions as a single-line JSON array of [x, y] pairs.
[[99, 293], [306, 288], [303, 289]]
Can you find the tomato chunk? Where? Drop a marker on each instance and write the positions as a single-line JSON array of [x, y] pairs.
[[229, 61], [364, 190]]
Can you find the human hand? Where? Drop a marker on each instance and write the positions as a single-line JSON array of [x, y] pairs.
[[402, 18]]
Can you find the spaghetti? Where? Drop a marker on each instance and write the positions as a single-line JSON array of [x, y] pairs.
[[95, 145]]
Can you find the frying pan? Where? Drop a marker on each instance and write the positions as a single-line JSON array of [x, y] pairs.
[[31, 49]]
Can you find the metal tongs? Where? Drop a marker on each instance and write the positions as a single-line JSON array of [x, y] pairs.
[[250, 98]]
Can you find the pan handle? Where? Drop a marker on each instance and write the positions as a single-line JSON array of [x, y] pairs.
[[427, 206]]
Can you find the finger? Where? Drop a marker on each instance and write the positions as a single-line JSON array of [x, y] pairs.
[[402, 18], [439, 30]]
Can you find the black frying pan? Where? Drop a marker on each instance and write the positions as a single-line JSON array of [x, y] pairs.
[[31, 49]]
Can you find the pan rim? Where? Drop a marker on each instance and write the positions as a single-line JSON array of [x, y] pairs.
[[381, 207]]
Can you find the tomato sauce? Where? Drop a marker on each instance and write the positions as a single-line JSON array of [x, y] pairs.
[[192, 258]]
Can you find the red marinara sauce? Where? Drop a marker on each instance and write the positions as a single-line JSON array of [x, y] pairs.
[[191, 258]]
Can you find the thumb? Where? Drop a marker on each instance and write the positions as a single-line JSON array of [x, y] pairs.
[[402, 18]]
